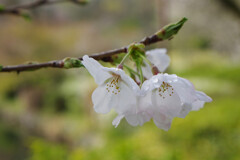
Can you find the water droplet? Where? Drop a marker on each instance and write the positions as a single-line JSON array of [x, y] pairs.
[[156, 85], [155, 80]]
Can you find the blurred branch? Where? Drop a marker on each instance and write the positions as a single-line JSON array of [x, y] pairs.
[[17, 10], [231, 5], [166, 33]]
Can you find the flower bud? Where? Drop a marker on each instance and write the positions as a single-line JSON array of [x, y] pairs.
[[170, 30]]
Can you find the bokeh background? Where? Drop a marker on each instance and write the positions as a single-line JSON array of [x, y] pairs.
[[48, 114]]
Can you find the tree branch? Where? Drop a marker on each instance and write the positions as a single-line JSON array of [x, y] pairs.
[[16, 10], [166, 33], [105, 56]]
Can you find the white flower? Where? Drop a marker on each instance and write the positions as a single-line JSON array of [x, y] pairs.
[[161, 98], [172, 96], [116, 89], [158, 58]]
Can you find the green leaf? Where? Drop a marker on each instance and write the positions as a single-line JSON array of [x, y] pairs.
[[72, 63], [1, 67], [170, 30]]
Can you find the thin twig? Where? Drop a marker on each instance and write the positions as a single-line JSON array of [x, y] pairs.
[[105, 56]]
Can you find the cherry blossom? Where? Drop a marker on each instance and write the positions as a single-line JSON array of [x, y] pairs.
[[115, 88], [172, 96], [161, 98]]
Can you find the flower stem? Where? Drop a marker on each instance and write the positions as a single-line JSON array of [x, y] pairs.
[[144, 58], [125, 57], [141, 73], [131, 70]]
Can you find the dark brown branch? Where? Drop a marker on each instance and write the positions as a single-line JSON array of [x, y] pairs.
[[105, 56], [30, 67], [16, 10]]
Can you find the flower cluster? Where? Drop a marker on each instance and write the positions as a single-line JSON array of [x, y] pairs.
[[160, 97]]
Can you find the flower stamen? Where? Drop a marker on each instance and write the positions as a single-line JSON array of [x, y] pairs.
[[165, 89], [113, 85]]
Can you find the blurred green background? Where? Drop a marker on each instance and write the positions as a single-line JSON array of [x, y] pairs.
[[48, 114]]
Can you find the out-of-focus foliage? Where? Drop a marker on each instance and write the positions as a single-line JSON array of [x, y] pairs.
[[48, 114], [211, 133]]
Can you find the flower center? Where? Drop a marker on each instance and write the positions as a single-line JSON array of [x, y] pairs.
[[165, 90], [113, 85]]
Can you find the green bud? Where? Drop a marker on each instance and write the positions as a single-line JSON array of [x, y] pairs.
[[170, 30], [72, 63]]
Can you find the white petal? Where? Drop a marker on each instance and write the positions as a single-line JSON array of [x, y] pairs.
[[166, 104], [159, 58], [96, 70], [203, 97], [162, 121], [103, 100], [145, 104], [186, 108], [127, 99], [147, 71], [197, 105], [117, 120], [138, 119], [184, 89], [140, 112], [147, 86]]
